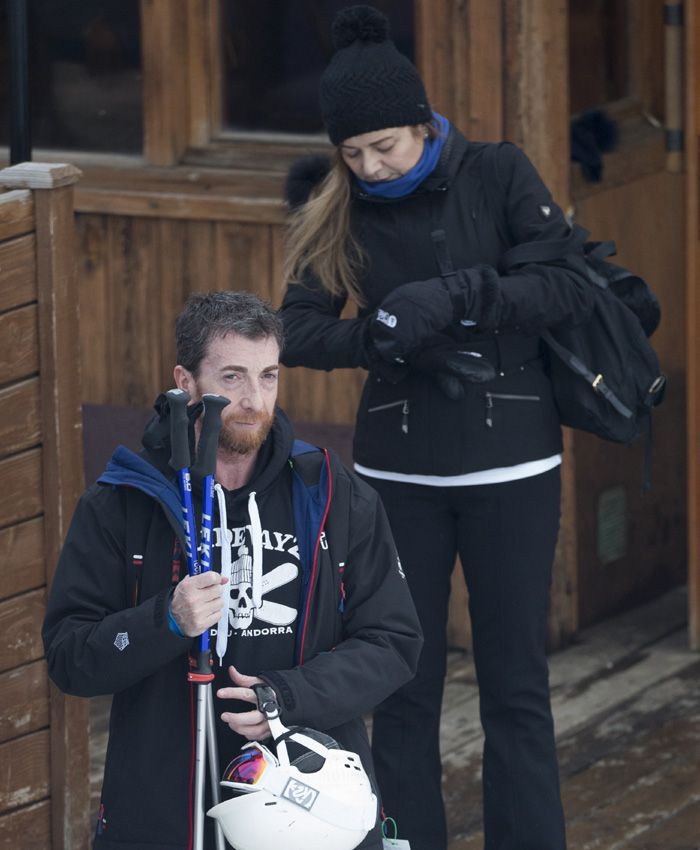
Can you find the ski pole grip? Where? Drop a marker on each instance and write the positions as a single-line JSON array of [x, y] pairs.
[[179, 429], [209, 437]]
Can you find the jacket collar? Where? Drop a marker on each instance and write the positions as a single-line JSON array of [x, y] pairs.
[[451, 158]]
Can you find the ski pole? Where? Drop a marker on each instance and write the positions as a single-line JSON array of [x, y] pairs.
[[204, 468], [180, 462], [200, 672]]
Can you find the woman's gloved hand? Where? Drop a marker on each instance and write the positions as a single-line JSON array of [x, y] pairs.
[[414, 312], [408, 316], [452, 365]]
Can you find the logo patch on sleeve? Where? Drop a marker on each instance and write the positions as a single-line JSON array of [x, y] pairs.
[[121, 641], [545, 210]]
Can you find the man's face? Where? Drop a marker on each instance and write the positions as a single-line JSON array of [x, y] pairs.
[[245, 371]]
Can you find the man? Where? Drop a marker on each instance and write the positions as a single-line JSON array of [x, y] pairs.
[[121, 617]]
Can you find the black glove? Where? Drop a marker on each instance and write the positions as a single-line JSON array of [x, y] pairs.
[[416, 311], [451, 365], [408, 316]]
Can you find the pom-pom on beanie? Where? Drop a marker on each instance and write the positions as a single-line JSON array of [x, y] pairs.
[[368, 85]]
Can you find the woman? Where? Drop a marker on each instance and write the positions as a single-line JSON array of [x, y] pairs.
[[457, 428]]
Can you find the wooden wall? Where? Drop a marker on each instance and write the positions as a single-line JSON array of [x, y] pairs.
[[692, 323], [646, 218], [148, 235], [43, 734], [135, 274]]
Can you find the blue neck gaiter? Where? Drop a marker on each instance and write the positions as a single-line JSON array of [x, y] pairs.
[[409, 181]]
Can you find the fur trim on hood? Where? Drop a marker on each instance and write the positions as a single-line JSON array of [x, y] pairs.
[[303, 177]]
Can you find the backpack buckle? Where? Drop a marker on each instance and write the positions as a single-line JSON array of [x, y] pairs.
[[596, 382]]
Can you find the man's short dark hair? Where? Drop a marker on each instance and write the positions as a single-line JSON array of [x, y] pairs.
[[216, 314]]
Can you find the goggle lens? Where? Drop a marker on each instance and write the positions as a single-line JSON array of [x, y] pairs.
[[247, 768]]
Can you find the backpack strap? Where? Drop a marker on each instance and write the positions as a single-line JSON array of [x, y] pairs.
[[542, 252], [494, 192], [595, 381]]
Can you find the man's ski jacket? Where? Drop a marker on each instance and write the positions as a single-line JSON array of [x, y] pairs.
[[106, 629]]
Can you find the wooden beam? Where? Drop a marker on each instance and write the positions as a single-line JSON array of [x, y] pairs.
[[693, 317], [204, 70], [24, 700], [39, 175], [21, 491], [537, 118], [18, 272], [29, 827], [22, 544], [165, 84], [175, 205], [434, 52], [478, 43], [536, 93], [16, 213], [20, 620], [19, 349], [28, 781], [63, 482]]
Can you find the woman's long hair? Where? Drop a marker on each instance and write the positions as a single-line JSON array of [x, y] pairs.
[[318, 236], [319, 239]]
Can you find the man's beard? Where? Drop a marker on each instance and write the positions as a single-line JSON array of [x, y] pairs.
[[238, 441]]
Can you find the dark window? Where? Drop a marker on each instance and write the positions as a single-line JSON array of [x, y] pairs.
[[273, 56], [598, 52], [616, 53], [85, 75]]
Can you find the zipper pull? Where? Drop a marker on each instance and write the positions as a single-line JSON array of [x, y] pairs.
[[489, 408], [404, 419]]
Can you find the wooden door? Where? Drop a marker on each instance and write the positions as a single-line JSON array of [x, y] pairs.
[[631, 546]]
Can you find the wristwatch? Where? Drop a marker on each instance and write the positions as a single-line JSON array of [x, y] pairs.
[[267, 700]]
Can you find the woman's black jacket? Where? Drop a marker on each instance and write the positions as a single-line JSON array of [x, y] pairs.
[[409, 425]]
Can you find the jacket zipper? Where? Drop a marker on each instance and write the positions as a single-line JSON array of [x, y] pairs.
[[489, 397], [405, 410]]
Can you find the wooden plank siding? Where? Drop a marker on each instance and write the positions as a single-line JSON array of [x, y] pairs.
[[28, 828], [18, 270], [692, 322], [16, 213], [43, 734], [135, 275]]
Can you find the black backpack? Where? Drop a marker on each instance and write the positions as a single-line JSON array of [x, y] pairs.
[[605, 374]]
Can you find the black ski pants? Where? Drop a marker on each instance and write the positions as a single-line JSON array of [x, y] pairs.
[[505, 535]]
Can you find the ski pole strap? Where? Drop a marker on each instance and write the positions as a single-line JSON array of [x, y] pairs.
[[597, 382]]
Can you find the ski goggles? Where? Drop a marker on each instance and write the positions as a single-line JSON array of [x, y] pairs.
[[248, 768]]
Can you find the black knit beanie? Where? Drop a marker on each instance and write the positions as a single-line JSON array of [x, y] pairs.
[[368, 84]]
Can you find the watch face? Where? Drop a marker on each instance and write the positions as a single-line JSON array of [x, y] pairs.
[[267, 699]]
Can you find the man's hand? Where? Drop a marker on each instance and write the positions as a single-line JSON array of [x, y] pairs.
[[252, 725], [197, 602]]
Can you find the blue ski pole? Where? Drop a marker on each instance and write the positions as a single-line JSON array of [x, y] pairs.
[[200, 672]]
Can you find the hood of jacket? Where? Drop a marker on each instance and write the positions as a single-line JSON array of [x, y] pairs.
[[150, 472]]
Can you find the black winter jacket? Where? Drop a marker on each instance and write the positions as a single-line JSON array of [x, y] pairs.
[[409, 425], [361, 610]]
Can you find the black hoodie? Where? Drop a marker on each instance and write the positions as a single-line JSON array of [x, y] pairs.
[[106, 628]]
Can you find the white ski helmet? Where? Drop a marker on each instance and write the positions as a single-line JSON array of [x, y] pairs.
[[320, 800]]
